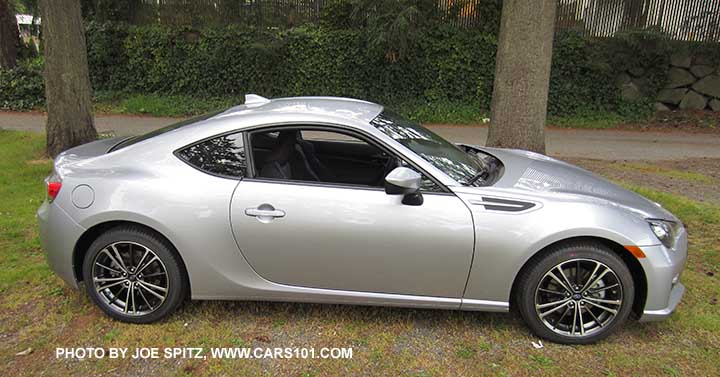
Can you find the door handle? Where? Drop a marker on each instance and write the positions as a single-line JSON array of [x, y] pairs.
[[264, 213], [256, 212]]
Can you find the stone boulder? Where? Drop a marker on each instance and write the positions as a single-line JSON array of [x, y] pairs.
[[715, 105], [693, 101], [681, 59], [642, 83], [701, 71], [672, 96], [701, 60], [709, 85], [678, 77], [630, 92], [660, 107], [622, 79]]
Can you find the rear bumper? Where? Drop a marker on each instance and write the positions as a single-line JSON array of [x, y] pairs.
[[58, 235]]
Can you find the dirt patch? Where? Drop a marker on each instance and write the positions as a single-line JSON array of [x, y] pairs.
[[696, 178]]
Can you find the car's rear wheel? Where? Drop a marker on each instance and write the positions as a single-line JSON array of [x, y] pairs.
[[576, 293], [133, 275]]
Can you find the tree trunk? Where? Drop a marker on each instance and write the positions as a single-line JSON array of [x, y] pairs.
[[522, 75], [9, 36], [67, 81]]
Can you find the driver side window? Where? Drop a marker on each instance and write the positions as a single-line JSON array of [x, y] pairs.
[[314, 155]]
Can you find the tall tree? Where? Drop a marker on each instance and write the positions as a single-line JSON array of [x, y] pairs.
[[9, 36], [67, 80], [522, 75]]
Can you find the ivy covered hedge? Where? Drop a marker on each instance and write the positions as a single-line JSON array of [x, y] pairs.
[[446, 64], [22, 87], [299, 61]]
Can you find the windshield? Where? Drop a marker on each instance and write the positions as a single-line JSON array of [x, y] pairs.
[[136, 139], [453, 161]]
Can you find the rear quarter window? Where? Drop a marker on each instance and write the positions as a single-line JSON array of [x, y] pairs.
[[221, 156]]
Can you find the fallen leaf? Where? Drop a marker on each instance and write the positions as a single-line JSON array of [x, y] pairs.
[[25, 352]]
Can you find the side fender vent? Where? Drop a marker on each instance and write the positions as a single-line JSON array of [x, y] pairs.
[[503, 205]]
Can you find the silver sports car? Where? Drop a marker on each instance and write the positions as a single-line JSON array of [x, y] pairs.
[[336, 200]]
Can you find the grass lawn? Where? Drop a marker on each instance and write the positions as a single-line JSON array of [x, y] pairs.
[[38, 312]]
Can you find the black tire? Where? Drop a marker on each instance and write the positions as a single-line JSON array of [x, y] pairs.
[[582, 254], [174, 280]]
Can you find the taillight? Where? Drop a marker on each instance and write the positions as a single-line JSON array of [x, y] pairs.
[[53, 189]]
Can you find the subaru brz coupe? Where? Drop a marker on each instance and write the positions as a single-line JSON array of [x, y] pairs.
[[334, 200]]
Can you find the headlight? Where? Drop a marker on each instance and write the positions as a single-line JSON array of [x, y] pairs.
[[665, 231]]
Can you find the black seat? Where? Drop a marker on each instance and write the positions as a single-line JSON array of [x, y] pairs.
[[292, 158], [277, 163]]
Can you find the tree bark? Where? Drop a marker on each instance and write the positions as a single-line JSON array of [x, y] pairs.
[[9, 35], [67, 80], [522, 75]]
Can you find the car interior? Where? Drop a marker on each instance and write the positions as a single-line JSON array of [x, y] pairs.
[[319, 156]]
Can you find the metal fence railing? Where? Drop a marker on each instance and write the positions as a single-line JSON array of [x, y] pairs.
[[691, 20]]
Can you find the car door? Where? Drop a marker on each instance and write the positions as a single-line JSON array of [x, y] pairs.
[[353, 237]]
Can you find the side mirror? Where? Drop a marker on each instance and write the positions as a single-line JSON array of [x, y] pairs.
[[404, 181]]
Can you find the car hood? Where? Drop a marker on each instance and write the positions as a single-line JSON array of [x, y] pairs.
[[529, 171]]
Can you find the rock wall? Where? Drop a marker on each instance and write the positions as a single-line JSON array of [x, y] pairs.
[[693, 83]]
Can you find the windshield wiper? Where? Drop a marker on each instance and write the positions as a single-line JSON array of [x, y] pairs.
[[481, 175]]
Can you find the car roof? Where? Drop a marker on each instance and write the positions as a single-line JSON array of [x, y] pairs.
[[258, 110]]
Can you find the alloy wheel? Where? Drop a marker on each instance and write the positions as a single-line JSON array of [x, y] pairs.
[[130, 278], [578, 297]]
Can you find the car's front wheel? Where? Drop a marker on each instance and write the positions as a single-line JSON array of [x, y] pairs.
[[133, 275], [576, 293]]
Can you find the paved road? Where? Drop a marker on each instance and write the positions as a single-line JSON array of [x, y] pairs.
[[598, 144]]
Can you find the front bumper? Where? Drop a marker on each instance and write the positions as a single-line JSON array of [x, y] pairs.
[[660, 314], [58, 235], [662, 269]]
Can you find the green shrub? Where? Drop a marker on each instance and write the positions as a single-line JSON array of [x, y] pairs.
[[446, 64], [22, 88], [107, 58], [446, 74], [581, 78]]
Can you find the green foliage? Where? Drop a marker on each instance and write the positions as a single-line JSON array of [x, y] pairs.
[[109, 10], [22, 88], [581, 79], [647, 50], [443, 111], [587, 119], [212, 61], [174, 105], [443, 64], [442, 73], [334, 15], [465, 351], [106, 56]]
